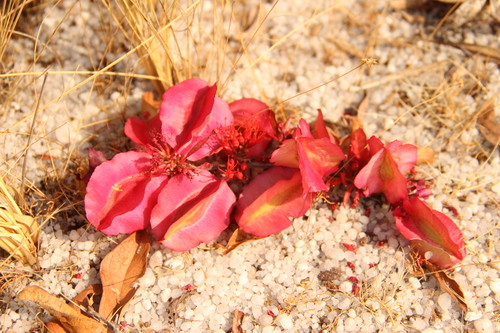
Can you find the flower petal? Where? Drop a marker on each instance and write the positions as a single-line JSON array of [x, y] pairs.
[[430, 231], [192, 211], [317, 159], [381, 174], [286, 155], [140, 131], [189, 113], [121, 194], [265, 205]]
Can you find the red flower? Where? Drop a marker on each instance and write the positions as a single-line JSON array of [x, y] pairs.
[[124, 194]]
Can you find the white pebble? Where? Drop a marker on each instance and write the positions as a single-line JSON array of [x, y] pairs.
[[265, 320], [285, 321], [483, 326], [199, 277], [495, 286], [345, 304], [444, 301]]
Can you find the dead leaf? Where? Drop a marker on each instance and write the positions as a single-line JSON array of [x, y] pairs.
[[237, 238], [448, 284], [84, 299], [237, 321], [488, 125], [425, 155], [71, 320], [119, 270]]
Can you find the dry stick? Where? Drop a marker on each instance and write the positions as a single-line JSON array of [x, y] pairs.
[[23, 172]]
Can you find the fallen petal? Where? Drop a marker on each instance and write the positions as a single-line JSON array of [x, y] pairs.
[[121, 194], [433, 235], [189, 113], [192, 211], [265, 205]]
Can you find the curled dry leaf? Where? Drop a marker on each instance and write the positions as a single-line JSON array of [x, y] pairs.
[[237, 321], [84, 299], [119, 270], [448, 284], [71, 320], [487, 123]]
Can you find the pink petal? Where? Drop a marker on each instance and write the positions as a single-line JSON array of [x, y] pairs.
[[381, 174], [320, 130], [318, 158], [286, 155], [430, 231], [404, 155], [121, 194], [192, 211], [358, 148], [265, 205], [375, 145], [189, 113], [140, 131]]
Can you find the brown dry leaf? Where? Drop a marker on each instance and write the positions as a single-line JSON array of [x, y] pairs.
[[71, 320], [448, 284], [237, 238], [237, 321], [150, 105], [425, 155], [488, 125], [119, 270], [83, 299]]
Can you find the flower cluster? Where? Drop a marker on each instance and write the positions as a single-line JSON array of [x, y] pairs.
[[201, 163]]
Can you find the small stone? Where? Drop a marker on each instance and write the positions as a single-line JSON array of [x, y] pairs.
[[285, 321], [483, 326], [495, 286], [344, 304], [199, 277], [444, 301], [265, 320]]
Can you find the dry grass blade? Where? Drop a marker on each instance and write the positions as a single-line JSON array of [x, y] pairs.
[[18, 232], [159, 51], [10, 12]]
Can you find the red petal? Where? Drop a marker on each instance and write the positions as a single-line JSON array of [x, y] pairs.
[[404, 155], [192, 211], [189, 113], [381, 174], [265, 205], [317, 159], [375, 145], [430, 231], [320, 130], [286, 155], [121, 194], [139, 131]]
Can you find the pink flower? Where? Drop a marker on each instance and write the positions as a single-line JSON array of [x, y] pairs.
[[123, 194], [316, 158], [385, 171], [432, 234]]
